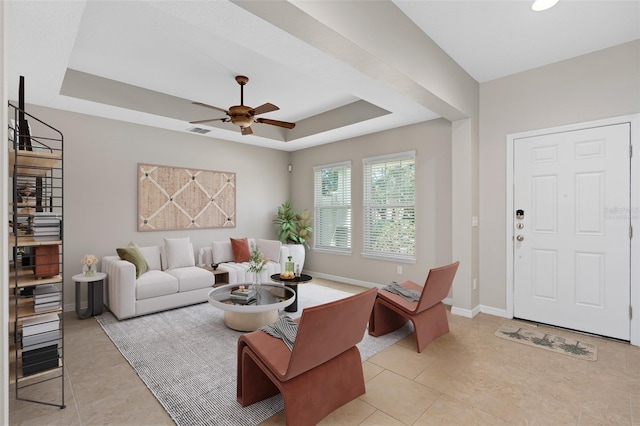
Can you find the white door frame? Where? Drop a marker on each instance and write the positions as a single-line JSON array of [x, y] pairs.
[[634, 121]]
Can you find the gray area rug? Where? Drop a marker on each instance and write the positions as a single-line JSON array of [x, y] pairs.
[[187, 358]]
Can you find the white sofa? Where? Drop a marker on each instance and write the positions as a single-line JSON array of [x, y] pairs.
[[221, 252], [172, 280]]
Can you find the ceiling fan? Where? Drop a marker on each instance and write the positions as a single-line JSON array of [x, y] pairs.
[[243, 116]]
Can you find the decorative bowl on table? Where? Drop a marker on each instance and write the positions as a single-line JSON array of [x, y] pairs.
[[287, 275]]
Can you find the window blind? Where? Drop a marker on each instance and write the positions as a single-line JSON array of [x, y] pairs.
[[389, 206], [332, 207]]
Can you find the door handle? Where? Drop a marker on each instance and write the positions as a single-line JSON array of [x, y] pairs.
[[520, 237]]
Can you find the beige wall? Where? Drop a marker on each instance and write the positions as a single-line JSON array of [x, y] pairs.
[[432, 143], [100, 188], [595, 86]]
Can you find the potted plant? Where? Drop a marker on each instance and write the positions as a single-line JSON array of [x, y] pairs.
[[294, 230]]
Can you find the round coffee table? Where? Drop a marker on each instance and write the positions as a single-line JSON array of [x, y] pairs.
[[250, 317], [292, 283]]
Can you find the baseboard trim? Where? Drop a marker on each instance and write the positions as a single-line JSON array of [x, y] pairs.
[[344, 280], [489, 310], [467, 313]]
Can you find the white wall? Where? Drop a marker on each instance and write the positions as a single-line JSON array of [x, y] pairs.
[[595, 86], [432, 143], [100, 183]]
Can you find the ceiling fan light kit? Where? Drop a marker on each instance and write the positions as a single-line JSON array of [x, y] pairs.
[[540, 5], [244, 116]]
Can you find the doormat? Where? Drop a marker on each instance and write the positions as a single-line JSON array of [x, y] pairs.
[[562, 345]]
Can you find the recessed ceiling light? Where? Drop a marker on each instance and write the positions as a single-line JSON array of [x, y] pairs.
[[540, 5]]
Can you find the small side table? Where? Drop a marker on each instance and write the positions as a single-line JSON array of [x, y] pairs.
[[94, 294], [293, 285], [220, 277]]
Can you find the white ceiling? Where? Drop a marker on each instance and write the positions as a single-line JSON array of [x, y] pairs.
[[145, 61]]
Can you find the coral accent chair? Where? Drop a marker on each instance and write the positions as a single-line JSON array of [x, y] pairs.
[[321, 373], [428, 315]]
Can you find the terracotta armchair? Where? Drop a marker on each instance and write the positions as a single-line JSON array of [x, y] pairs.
[[321, 373], [428, 315]]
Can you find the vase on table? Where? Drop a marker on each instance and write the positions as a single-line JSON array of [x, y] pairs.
[[89, 270], [256, 284]]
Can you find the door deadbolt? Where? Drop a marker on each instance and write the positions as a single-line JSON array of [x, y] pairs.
[[520, 225], [520, 237]]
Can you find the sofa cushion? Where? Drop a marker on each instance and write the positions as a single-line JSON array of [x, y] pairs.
[[179, 252], [270, 249], [221, 251], [192, 278], [154, 284], [240, 247], [132, 254], [152, 256]]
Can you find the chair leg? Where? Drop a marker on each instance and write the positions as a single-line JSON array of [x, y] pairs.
[[252, 383], [430, 324], [384, 320], [313, 395]]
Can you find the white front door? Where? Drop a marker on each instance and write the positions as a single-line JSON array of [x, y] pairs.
[[572, 247]]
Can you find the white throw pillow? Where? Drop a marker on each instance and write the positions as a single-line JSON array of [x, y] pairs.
[[222, 251], [270, 249], [179, 252], [152, 256]]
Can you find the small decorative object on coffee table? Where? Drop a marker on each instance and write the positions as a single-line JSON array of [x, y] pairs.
[[292, 283], [245, 310]]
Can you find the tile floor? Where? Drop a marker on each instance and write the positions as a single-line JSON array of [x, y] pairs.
[[466, 377]]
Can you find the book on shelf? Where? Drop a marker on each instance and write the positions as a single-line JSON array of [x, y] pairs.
[[46, 237], [45, 291], [42, 229], [46, 233], [42, 324], [38, 303], [41, 340], [43, 307], [41, 359], [40, 215], [53, 297]]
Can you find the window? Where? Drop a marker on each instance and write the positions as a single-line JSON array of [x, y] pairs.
[[389, 207], [332, 205]]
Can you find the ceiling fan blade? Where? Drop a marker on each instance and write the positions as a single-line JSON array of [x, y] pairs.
[[210, 106], [284, 124], [265, 108], [206, 121], [246, 130]]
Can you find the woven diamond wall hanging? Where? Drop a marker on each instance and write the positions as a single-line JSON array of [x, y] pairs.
[[172, 198]]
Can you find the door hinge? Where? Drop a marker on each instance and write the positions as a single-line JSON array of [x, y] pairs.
[[630, 312], [630, 231], [630, 150]]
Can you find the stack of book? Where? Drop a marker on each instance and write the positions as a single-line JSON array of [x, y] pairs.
[[46, 226], [40, 343], [243, 296], [46, 298]]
